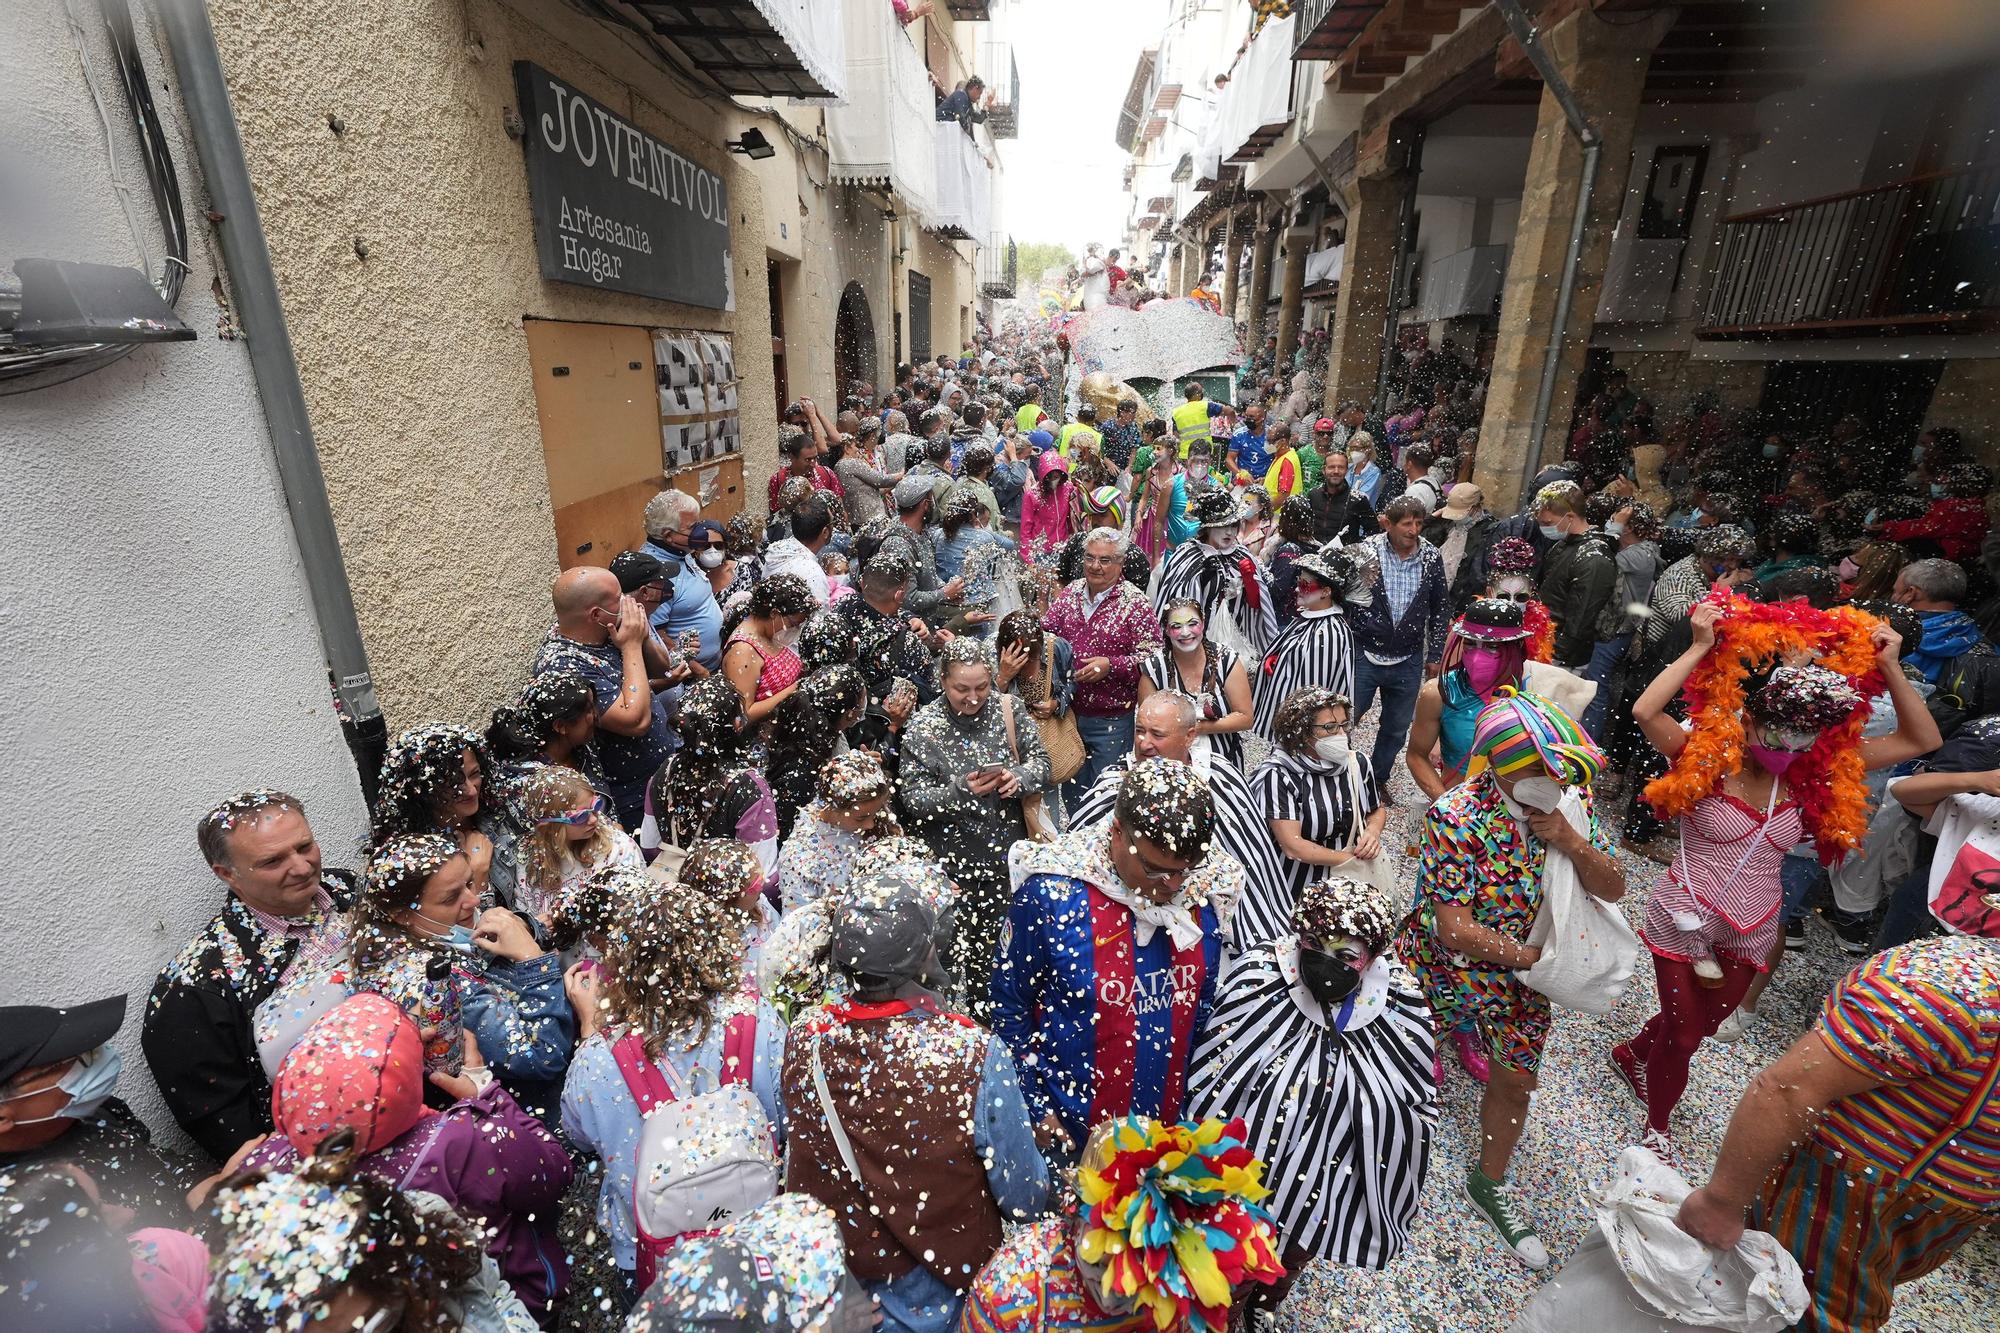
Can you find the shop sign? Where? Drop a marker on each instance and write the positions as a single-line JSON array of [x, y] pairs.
[[617, 209]]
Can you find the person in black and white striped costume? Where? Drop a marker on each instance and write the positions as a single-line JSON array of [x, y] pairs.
[[1318, 647], [1321, 1042]]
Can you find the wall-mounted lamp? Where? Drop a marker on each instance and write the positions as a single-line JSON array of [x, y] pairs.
[[752, 145]]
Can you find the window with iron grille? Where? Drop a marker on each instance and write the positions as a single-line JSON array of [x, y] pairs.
[[920, 317]]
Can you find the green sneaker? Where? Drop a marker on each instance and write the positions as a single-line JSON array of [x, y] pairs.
[[1501, 1207]]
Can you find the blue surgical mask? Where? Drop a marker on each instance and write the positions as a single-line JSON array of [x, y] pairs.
[[1937, 490], [1917, 454], [1551, 531], [1695, 514], [89, 1082], [1869, 521], [1613, 528], [454, 937], [1770, 450]]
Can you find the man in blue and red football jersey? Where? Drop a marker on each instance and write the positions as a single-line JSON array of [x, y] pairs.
[[1109, 957]]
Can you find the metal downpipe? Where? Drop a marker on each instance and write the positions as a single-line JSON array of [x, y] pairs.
[[1523, 29], [212, 121]]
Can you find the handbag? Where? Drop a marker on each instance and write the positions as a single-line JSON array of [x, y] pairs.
[[1034, 811], [1060, 736], [1589, 950]]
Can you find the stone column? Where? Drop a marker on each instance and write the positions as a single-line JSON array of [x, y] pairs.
[[1367, 277], [1291, 296], [1232, 260], [1177, 270], [1605, 64], [1260, 286]]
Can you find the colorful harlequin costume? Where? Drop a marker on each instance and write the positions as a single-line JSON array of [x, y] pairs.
[[1477, 852], [1168, 1228]]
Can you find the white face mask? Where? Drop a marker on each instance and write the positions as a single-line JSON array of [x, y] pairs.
[[786, 638], [89, 1081], [1333, 749], [1539, 793], [1613, 528], [711, 557]]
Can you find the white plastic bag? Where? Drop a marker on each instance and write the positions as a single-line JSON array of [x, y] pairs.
[[1589, 950], [1639, 1273]]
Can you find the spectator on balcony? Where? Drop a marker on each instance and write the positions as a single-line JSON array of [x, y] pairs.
[[967, 104], [907, 13]]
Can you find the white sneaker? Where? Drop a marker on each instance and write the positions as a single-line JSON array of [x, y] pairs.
[[1735, 1027]]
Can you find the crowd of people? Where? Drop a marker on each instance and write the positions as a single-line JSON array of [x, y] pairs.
[[961, 897]]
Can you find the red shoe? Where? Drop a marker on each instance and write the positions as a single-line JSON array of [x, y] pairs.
[[1471, 1056], [1630, 1072]]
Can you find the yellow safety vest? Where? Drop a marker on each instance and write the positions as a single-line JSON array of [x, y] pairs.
[[1191, 423], [1074, 429]]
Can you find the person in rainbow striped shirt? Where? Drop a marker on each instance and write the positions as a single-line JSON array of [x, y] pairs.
[[1871, 1148]]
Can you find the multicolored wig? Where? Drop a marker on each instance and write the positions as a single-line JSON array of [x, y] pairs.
[[1517, 730], [1170, 1215]]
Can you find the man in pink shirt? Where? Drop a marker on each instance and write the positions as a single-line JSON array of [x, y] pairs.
[[1111, 628]]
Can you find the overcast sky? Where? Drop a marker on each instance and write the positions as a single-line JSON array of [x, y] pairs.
[[1065, 173]]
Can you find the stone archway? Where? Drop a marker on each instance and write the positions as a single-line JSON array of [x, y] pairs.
[[853, 341]]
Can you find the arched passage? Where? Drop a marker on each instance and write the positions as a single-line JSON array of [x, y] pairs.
[[853, 340]]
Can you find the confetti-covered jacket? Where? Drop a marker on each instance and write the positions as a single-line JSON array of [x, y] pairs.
[[525, 1028], [197, 1036], [490, 1160], [1099, 1024]]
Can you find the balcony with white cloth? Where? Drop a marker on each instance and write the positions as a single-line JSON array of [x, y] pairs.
[[886, 136], [1255, 106], [964, 202]]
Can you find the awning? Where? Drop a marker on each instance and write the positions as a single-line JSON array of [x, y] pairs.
[[1255, 105], [751, 48], [886, 134]]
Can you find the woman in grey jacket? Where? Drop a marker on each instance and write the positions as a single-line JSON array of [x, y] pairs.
[[969, 758]]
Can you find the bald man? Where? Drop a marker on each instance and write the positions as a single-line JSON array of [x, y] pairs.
[[600, 634], [1163, 728]]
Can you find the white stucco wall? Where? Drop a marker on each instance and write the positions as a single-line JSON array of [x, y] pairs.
[[156, 640]]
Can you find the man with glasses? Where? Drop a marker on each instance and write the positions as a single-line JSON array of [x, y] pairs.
[[1109, 955], [1111, 629]]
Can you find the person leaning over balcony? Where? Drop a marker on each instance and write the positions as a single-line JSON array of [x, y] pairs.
[[966, 105]]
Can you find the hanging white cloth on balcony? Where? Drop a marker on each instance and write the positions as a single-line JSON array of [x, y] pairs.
[[886, 134], [1259, 93], [964, 184], [1324, 265], [817, 36]]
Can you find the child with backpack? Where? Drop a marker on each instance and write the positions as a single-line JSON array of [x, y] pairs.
[[682, 1058]]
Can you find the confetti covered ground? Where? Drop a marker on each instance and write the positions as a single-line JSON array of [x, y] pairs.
[[1454, 1278]]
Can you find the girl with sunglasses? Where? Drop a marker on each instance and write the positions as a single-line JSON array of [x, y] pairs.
[[1712, 923], [572, 832]]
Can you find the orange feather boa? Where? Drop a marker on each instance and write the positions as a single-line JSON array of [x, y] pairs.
[[1828, 779]]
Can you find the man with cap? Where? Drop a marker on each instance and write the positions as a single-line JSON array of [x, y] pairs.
[[1109, 956], [1214, 570], [1110, 629], [1163, 727], [1317, 648], [58, 1080], [1462, 531], [906, 1119], [1871, 1148], [646, 578], [915, 498], [1482, 853], [1340, 513], [284, 911]]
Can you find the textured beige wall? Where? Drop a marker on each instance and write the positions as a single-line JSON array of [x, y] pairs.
[[1669, 379], [414, 361]]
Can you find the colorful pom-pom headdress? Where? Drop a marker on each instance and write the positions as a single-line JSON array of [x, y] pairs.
[[1517, 730], [1752, 638], [1171, 1216]]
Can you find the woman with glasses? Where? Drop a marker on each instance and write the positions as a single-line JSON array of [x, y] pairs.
[[1712, 923], [572, 831], [442, 779], [1318, 794]]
